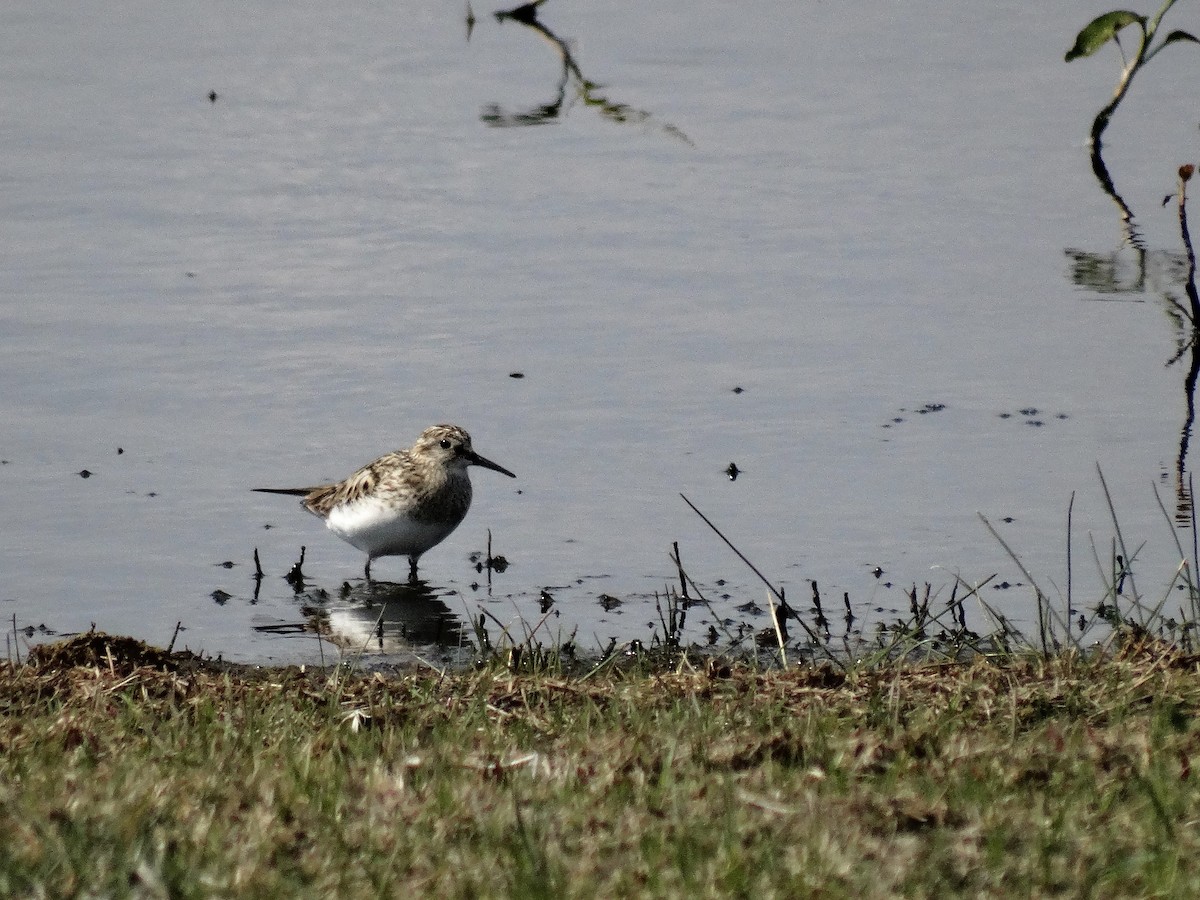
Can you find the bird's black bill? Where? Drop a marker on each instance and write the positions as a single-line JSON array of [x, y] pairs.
[[477, 460]]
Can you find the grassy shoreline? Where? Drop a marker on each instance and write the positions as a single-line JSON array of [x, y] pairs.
[[127, 771]]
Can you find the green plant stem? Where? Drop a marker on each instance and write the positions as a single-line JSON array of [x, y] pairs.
[[1143, 56]]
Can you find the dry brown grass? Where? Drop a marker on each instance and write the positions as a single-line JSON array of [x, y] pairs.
[[125, 771]]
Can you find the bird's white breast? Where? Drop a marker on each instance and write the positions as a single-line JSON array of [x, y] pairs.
[[381, 529]]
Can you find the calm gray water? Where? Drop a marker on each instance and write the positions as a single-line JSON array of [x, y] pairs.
[[848, 216]]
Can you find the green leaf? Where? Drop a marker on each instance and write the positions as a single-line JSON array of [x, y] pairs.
[[1175, 36], [1103, 29]]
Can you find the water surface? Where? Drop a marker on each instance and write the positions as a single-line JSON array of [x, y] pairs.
[[878, 226]]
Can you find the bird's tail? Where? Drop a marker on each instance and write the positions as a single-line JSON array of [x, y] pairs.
[[294, 492]]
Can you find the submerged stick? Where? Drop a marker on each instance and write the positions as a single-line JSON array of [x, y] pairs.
[[778, 595], [702, 599], [1045, 611], [1127, 565], [682, 578], [171, 646], [295, 577], [1070, 512], [1185, 175]]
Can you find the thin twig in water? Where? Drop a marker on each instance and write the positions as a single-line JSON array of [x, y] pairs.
[[503, 627], [171, 646], [739, 553], [1185, 175], [820, 621], [779, 596], [679, 565], [1045, 612], [488, 561], [1070, 610], [1170, 525], [700, 596], [1120, 537]]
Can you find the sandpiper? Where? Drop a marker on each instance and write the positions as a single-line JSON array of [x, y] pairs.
[[404, 502]]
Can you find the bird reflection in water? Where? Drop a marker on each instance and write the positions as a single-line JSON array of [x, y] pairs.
[[385, 617]]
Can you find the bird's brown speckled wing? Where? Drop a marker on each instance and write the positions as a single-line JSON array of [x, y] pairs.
[[363, 482]]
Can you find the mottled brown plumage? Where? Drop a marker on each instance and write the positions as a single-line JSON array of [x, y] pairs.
[[404, 502]]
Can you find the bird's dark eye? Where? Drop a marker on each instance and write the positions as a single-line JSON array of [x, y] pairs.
[[445, 443]]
